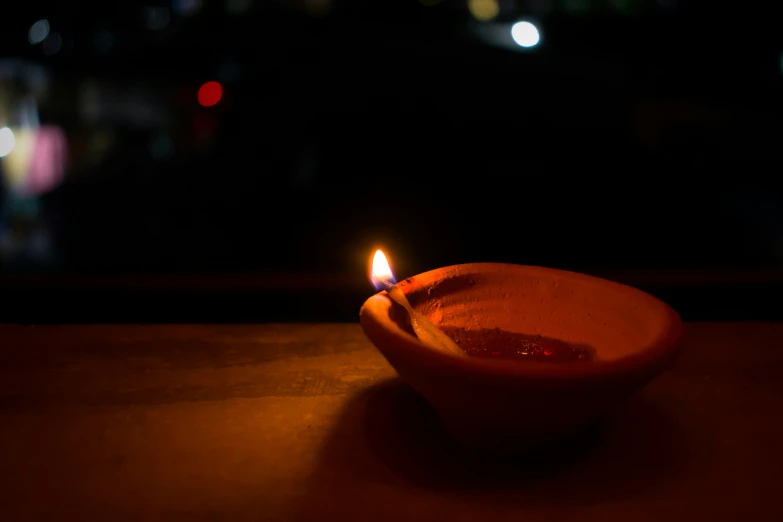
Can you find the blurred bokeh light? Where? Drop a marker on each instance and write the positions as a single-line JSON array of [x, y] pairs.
[[484, 10], [271, 137], [525, 34], [38, 32], [210, 94], [7, 141]]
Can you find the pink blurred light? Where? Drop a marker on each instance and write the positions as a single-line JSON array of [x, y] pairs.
[[48, 161]]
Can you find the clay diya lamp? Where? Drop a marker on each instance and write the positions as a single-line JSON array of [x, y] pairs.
[[543, 354]]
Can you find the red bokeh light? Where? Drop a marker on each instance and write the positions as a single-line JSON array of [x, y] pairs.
[[210, 94]]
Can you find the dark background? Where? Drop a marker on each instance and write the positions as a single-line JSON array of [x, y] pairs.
[[639, 141]]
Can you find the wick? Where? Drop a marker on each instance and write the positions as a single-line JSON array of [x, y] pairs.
[[385, 282], [427, 332]]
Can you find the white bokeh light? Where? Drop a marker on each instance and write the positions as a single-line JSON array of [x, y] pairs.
[[7, 141], [38, 32], [525, 34]]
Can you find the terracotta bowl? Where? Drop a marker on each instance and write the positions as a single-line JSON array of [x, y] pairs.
[[505, 406]]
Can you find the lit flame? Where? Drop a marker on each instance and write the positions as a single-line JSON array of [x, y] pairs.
[[381, 273]]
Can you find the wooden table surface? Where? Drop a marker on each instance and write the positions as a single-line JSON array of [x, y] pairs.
[[308, 422]]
